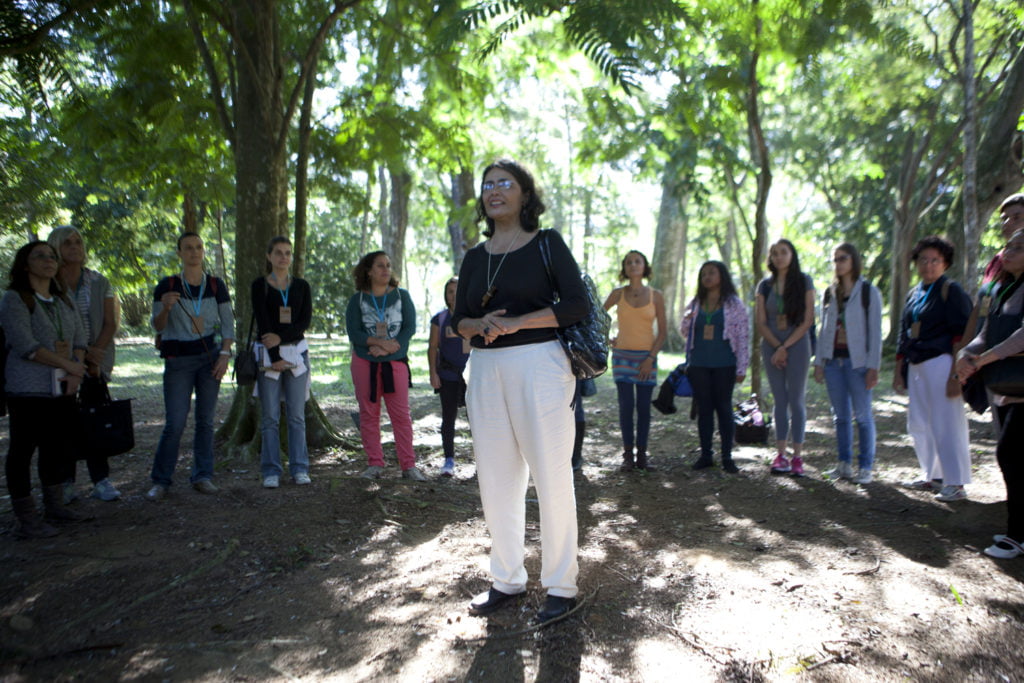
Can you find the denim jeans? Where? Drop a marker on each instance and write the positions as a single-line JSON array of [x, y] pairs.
[[292, 390], [851, 399], [642, 405], [712, 391], [182, 375]]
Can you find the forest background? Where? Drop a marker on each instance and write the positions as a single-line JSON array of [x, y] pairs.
[[688, 131]]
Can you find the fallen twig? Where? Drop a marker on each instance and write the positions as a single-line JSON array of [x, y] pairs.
[[832, 658], [865, 572]]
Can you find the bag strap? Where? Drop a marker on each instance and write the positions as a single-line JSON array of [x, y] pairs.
[[545, 253]]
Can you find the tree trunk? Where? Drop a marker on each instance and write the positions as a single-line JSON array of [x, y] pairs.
[[668, 263], [393, 237], [759, 154], [302, 173], [462, 227], [971, 231]]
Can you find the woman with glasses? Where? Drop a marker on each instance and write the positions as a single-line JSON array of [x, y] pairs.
[[641, 334], [46, 350], [283, 307], [933, 320], [1001, 335], [96, 303], [190, 311], [847, 360], [512, 297], [784, 315]]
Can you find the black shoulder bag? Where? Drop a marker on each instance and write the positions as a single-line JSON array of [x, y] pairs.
[[244, 372], [585, 342]]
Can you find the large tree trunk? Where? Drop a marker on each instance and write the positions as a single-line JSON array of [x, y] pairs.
[[393, 236], [462, 226], [668, 263], [302, 174], [759, 154]]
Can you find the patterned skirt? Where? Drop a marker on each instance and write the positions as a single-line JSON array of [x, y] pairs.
[[626, 363]]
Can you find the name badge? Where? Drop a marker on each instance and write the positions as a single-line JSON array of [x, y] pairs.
[[382, 330], [284, 315], [198, 325], [709, 332], [781, 322], [915, 330], [62, 349], [986, 303]]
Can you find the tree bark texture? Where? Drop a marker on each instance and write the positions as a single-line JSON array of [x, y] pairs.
[[759, 154], [668, 263]]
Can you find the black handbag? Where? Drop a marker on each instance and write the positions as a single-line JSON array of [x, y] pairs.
[[105, 425], [585, 342], [245, 370], [1005, 377]]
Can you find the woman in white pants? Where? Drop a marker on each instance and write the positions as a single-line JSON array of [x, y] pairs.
[[933, 320], [521, 388]]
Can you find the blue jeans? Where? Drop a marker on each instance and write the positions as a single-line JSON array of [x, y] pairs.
[[293, 390], [642, 405], [851, 398], [182, 375]]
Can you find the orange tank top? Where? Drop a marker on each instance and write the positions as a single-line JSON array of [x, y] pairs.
[[636, 325]]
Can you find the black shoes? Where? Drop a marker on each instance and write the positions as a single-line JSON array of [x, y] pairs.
[[554, 607], [702, 463], [729, 466], [485, 603]]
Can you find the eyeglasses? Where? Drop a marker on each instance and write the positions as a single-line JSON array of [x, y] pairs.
[[43, 256], [930, 261], [503, 184], [842, 258], [1013, 248]]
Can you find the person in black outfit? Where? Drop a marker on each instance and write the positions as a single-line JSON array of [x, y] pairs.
[[521, 386], [283, 306], [1001, 335]]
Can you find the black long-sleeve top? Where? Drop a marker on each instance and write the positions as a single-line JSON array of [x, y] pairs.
[[266, 303], [942, 321], [522, 286]]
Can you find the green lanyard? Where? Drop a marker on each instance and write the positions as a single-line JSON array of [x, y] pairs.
[[1001, 294], [54, 315], [779, 303]]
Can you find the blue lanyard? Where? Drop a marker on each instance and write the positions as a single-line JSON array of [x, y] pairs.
[[197, 304], [915, 311], [284, 292], [382, 307]]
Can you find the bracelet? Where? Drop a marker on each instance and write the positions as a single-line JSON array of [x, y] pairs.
[[225, 353]]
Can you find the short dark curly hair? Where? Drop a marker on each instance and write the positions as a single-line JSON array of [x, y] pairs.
[[361, 273], [939, 244], [647, 264], [529, 216]]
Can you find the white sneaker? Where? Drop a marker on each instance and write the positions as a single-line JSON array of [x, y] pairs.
[[448, 470], [1009, 550], [302, 479], [105, 491], [863, 476], [950, 493], [271, 481], [156, 493], [842, 470]]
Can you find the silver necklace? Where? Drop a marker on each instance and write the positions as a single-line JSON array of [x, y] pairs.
[[491, 289]]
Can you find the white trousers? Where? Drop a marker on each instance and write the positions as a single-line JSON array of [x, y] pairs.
[[938, 424], [518, 403]]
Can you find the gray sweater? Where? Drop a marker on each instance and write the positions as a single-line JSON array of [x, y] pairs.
[[863, 332], [27, 332]]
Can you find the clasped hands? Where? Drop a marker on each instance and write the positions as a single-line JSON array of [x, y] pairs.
[[495, 324], [383, 347]]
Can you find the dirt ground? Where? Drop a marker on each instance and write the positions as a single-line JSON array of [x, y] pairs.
[[684, 575]]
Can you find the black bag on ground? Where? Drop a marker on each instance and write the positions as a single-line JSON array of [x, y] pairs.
[[585, 342], [105, 425], [752, 425]]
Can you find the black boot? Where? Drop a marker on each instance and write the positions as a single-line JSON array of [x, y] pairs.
[[627, 461], [577, 447], [53, 504], [666, 401], [728, 465], [27, 522], [703, 462], [641, 460]]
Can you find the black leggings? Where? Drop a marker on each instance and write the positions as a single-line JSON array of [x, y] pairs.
[[453, 395], [712, 391], [1011, 436], [44, 423]]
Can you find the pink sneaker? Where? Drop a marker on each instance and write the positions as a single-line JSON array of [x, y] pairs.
[[780, 465], [796, 467]]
